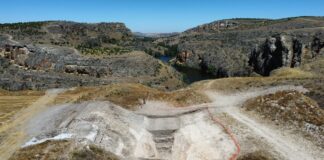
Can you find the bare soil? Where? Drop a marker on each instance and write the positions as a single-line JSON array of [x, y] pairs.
[[255, 133]]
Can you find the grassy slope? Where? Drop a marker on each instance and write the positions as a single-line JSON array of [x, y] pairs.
[[130, 95], [62, 150], [13, 102]]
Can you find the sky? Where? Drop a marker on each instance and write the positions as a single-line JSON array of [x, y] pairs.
[[152, 16]]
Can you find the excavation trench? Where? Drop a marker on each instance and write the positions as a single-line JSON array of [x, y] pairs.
[[187, 133], [163, 130]]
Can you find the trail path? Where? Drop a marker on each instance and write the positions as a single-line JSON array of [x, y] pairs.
[[15, 129], [283, 143]]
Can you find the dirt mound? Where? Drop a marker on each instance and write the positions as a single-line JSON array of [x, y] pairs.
[[291, 108], [131, 95], [287, 106]]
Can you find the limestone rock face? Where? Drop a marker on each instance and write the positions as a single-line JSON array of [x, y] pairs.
[[282, 51], [316, 46], [213, 56], [45, 66], [272, 54], [50, 54], [67, 33], [241, 47]]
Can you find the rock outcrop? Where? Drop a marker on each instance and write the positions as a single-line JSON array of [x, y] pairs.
[[271, 55], [66, 33], [43, 55], [275, 52], [297, 49], [316, 46], [43, 66], [50, 54], [223, 48], [89, 38]]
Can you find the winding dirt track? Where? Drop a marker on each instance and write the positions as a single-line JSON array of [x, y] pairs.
[[16, 136], [280, 141], [285, 146]]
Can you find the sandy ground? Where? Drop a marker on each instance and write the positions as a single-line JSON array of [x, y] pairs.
[[16, 128]]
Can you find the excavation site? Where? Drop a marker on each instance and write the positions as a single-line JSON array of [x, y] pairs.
[[161, 80]]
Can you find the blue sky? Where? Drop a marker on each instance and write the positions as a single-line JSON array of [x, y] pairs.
[[154, 15]]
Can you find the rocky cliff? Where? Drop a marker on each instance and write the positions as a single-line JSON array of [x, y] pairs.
[[38, 55], [93, 39], [239, 47], [67, 33], [39, 66]]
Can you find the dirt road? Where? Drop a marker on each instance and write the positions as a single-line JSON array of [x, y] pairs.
[[280, 141]]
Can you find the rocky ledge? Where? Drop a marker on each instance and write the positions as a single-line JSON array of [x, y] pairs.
[[239, 47], [47, 66]]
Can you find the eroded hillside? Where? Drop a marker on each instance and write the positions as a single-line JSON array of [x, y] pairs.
[[40, 55]]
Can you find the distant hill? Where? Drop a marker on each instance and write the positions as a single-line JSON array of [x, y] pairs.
[[89, 38], [67, 33], [155, 35], [259, 24]]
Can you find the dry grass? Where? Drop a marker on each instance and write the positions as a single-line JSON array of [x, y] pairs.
[[313, 82], [288, 107], [239, 83], [11, 133], [291, 73], [279, 77], [13, 102], [315, 66], [130, 95], [63, 149], [291, 109], [48, 150], [310, 75], [92, 152], [21, 93], [72, 95]]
